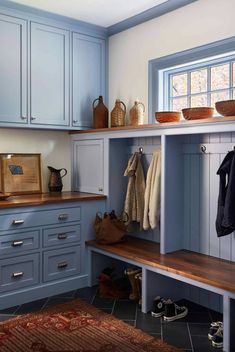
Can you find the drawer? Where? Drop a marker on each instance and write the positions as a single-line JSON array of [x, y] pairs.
[[58, 264], [19, 272], [39, 218], [59, 236], [19, 242]]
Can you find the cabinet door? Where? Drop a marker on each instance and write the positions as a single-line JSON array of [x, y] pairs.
[[49, 75], [88, 166], [13, 70], [88, 77]]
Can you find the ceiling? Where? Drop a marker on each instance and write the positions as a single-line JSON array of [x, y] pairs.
[[100, 12]]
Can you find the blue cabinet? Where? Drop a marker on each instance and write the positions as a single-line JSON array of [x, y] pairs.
[[49, 75], [13, 70], [88, 77]]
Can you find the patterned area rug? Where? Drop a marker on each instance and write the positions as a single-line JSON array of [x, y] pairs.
[[78, 327]]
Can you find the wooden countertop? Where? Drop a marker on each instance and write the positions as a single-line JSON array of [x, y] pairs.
[[48, 198], [202, 268], [181, 123]]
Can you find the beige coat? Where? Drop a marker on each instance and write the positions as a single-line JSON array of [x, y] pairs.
[[134, 203], [152, 193]]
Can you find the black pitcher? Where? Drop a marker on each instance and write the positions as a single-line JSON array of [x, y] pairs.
[[55, 180]]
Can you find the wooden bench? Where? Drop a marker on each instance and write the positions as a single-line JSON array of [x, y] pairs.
[[210, 273]]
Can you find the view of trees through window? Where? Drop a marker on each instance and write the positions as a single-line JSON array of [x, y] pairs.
[[201, 86]]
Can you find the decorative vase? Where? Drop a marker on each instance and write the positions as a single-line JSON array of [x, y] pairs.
[[137, 114], [118, 114], [55, 180], [100, 114]]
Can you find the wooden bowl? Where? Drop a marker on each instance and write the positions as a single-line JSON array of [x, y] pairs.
[[167, 116], [225, 107], [4, 196], [198, 113]]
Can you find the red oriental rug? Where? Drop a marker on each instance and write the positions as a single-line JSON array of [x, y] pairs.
[[78, 327]]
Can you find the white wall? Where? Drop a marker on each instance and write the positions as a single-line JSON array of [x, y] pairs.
[[54, 147], [199, 23]]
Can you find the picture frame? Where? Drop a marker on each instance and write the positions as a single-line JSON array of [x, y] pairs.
[[20, 173]]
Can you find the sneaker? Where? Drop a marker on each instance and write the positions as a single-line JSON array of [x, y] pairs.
[[159, 307], [214, 328], [217, 339], [173, 311]]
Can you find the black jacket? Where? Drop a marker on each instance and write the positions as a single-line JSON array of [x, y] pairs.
[[225, 221]]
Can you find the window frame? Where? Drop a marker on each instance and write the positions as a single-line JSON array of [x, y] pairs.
[[157, 67]]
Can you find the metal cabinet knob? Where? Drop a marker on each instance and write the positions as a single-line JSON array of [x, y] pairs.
[[62, 265], [17, 274], [17, 243], [17, 222], [63, 217], [24, 117], [32, 118], [75, 121], [100, 189], [62, 236]]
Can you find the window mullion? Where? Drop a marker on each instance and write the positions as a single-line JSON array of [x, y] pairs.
[[189, 89], [209, 86]]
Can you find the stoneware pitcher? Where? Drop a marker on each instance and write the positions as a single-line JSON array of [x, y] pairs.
[[55, 179]]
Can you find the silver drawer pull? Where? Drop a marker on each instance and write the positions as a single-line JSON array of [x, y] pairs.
[[62, 236], [62, 265], [17, 243], [17, 274], [18, 222], [63, 217]]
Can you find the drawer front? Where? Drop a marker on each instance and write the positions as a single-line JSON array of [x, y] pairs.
[[19, 272], [59, 236], [61, 263], [19, 242], [39, 218]]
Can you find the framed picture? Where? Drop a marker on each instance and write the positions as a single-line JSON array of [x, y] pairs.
[[20, 173]]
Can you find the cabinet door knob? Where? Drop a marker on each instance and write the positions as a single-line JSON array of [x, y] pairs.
[[75, 121], [63, 217], [17, 243], [100, 189], [17, 274], [62, 236], [32, 118], [18, 222], [24, 117], [62, 265]]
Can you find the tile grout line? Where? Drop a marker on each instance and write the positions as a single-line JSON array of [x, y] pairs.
[[136, 312], [93, 297], [114, 303], [190, 337], [44, 305]]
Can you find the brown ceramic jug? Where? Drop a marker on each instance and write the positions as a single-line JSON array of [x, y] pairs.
[[118, 114], [55, 180], [100, 114]]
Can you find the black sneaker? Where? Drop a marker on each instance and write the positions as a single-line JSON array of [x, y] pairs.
[[214, 328], [159, 307], [173, 311], [217, 339]]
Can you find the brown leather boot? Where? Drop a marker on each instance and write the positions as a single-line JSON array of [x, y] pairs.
[[131, 273]]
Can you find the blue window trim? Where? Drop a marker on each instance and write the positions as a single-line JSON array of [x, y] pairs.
[[156, 88]]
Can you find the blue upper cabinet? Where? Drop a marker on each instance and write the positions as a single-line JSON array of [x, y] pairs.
[[49, 75], [88, 77], [13, 70]]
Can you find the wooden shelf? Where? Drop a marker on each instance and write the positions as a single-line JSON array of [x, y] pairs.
[[202, 268], [48, 198], [183, 123]]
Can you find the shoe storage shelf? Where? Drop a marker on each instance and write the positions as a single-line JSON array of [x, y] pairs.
[[191, 154], [42, 244]]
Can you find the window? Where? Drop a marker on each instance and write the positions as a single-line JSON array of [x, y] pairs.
[[195, 77], [200, 84]]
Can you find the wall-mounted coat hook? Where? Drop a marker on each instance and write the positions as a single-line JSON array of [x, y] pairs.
[[141, 150], [203, 148]]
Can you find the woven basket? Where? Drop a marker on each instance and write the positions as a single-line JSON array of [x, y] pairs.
[[226, 107], [167, 116], [118, 114], [198, 113]]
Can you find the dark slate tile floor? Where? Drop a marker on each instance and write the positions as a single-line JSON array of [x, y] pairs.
[[189, 334]]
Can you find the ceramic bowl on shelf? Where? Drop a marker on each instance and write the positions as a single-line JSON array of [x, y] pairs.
[[225, 107], [4, 196], [167, 116], [198, 113]]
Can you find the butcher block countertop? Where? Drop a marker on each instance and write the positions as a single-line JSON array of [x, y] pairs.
[[48, 198]]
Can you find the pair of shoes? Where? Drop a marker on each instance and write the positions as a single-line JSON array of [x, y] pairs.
[[215, 334], [168, 309]]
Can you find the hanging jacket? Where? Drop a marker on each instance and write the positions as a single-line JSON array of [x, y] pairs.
[[152, 193], [225, 221], [134, 203]]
